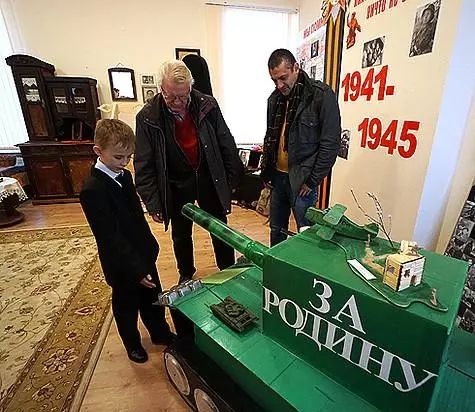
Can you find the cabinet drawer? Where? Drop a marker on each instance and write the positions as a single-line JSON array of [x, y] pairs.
[[46, 150], [78, 149]]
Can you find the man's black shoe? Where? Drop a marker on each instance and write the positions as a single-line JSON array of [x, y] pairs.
[[164, 339], [137, 355]]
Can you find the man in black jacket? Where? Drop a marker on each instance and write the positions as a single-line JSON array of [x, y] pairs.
[[301, 143], [185, 153]]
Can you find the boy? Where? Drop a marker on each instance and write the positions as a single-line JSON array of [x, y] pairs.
[[127, 248]]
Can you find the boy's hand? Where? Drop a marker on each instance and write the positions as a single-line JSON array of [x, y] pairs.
[[147, 282], [157, 217]]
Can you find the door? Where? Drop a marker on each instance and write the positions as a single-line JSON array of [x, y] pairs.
[[48, 175], [78, 169], [80, 99], [34, 103]]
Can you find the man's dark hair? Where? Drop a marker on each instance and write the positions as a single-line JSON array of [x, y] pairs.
[[279, 56]]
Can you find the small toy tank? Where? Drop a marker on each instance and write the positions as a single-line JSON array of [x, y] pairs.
[[327, 335]]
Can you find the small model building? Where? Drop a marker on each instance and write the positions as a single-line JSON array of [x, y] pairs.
[[405, 268]]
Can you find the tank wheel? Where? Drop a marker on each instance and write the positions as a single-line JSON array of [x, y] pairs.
[[204, 403], [176, 374]]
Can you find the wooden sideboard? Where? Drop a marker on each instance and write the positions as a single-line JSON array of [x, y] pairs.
[[60, 114], [56, 170]]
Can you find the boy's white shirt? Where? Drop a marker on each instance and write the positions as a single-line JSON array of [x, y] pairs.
[[103, 168]]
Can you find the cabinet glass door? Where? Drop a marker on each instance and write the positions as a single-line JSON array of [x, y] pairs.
[[79, 99], [33, 105], [60, 100]]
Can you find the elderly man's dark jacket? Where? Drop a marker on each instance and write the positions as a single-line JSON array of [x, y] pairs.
[[127, 247], [155, 131], [314, 136]]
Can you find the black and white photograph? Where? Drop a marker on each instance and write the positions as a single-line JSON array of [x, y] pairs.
[[462, 246], [425, 25], [314, 49], [466, 317], [30, 88], [147, 80], [468, 211], [464, 229], [244, 155], [313, 72], [373, 52], [148, 93], [345, 144]]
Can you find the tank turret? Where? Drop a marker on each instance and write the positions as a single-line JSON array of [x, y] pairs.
[[251, 249]]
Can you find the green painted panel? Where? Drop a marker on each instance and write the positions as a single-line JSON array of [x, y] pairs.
[[310, 390], [279, 380], [456, 392], [263, 394], [412, 341], [266, 359]]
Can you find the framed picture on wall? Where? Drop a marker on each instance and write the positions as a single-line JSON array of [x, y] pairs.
[[148, 79], [180, 52], [122, 84], [149, 92]]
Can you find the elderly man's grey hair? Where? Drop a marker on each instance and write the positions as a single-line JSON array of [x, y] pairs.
[[175, 71]]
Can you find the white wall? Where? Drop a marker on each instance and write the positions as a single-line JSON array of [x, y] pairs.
[[423, 194], [85, 38], [309, 10], [419, 86]]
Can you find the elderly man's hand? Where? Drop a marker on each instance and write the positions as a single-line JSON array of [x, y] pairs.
[[157, 217], [304, 190], [147, 282]]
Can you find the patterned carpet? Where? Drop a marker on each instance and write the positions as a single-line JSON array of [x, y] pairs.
[[54, 317]]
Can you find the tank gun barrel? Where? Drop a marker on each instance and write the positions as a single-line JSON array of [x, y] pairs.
[[250, 248]]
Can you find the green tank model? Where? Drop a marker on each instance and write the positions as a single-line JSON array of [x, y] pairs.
[[324, 338]]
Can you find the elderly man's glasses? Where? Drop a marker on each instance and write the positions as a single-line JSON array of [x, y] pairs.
[[170, 98]]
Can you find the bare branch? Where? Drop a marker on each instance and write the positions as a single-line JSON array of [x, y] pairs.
[[379, 212], [370, 218]]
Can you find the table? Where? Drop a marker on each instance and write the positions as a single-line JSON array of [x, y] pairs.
[[11, 194]]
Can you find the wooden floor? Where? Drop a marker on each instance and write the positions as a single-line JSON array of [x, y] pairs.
[[119, 385]]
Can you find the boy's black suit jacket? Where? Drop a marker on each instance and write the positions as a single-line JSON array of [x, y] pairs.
[[127, 247]]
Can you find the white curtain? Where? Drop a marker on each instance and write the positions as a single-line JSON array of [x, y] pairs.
[[248, 38], [12, 124]]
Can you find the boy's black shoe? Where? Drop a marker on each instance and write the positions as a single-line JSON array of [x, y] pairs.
[[138, 355]]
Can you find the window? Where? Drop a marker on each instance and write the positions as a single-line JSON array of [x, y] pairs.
[[249, 36], [12, 124]]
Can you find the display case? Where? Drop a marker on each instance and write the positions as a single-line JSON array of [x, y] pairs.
[[29, 74], [73, 102]]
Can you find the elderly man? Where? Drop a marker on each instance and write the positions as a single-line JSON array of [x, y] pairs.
[[185, 153], [301, 143]]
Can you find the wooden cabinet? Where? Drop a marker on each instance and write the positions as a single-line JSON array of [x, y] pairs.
[[57, 169], [60, 114]]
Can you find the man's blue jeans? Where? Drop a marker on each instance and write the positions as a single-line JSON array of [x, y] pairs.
[[282, 202]]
